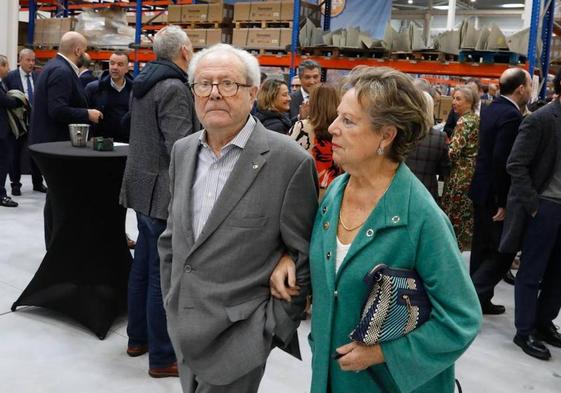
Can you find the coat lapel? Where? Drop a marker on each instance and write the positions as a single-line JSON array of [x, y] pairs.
[[190, 159], [391, 211], [245, 171]]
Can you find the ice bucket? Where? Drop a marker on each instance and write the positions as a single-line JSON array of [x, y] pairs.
[[79, 134]]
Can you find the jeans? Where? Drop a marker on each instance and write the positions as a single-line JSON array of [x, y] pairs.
[[147, 318]]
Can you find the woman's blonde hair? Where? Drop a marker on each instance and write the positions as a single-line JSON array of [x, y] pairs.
[[268, 94], [390, 98]]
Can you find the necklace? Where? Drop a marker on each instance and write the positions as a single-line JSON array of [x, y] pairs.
[[350, 229]]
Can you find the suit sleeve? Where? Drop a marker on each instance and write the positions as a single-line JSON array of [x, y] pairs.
[[456, 314], [165, 250], [59, 108], [451, 121], [175, 113], [8, 102], [296, 221], [524, 151], [506, 134], [444, 164]]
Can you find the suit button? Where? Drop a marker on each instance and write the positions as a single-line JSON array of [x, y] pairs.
[[335, 294], [188, 268], [324, 210], [328, 254], [326, 225]]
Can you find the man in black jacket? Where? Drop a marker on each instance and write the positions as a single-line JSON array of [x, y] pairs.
[[111, 96], [489, 187], [533, 224], [7, 139], [23, 79]]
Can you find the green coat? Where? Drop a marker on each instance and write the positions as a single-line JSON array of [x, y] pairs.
[[406, 230]]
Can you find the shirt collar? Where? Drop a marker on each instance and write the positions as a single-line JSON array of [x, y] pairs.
[[240, 140], [74, 66], [118, 88], [511, 100], [305, 95], [23, 74]]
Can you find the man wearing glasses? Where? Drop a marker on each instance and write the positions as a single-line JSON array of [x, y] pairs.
[[161, 113], [242, 196]]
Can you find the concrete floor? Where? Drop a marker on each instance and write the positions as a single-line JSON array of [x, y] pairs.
[[44, 352]]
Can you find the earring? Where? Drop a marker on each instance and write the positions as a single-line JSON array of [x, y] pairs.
[[380, 151]]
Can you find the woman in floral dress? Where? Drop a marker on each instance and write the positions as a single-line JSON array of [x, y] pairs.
[[463, 149]]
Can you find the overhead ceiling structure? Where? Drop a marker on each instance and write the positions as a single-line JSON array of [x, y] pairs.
[[461, 4]]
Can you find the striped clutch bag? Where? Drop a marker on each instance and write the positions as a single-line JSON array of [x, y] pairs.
[[396, 304]]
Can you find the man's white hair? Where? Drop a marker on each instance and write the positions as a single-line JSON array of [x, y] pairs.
[[168, 42], [251, 65]]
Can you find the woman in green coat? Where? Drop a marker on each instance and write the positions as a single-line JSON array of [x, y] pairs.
[[378, 212]]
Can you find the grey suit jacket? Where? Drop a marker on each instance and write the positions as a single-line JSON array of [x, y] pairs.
[[221, 316]]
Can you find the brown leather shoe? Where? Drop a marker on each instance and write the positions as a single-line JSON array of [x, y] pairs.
[[162, 372], [137, 350]]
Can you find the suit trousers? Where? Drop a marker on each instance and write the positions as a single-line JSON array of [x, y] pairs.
[[249, 383], [537, 290], [6, 145], [20, 146], [147, 323], [487, 265]]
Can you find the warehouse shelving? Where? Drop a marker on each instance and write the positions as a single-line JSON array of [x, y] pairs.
[[290, 60]]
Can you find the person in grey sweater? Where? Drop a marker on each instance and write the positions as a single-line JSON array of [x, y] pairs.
[[161, 113]]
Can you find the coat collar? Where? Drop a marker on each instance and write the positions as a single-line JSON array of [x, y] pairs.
[[392, 211], [249, 165]]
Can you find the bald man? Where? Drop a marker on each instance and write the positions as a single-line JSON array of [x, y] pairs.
[[490, 184], [60, 100]]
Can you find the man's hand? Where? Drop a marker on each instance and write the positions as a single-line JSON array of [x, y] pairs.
[[304, 110], [500, 215], [283, 279], [94, 115], [358, 357]]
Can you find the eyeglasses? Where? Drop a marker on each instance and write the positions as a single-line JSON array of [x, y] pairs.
[[226, 88]]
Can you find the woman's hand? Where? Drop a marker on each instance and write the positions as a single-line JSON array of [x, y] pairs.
[[358, 357], [283, 279]]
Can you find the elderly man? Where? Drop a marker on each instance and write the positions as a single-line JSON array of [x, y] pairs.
[[59, 100], [241, 197], [490, 184], [309, 73], [23, 79], [111, 95], [162, 112], [533, 224]]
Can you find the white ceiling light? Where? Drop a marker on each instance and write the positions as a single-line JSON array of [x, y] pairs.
[[441, 7], [473, 1], [409, 1], [512, 5]]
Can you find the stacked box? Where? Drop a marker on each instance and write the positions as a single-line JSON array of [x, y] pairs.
[[442, 107], [149, 17], [200, 13], [48, 32], [252, 38], [201, 38], [275, 11]]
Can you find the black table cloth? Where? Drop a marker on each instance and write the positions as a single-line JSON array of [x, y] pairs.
[[85, 270]]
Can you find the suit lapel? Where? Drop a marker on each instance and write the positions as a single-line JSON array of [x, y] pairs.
[[188, 177], [243, 175]]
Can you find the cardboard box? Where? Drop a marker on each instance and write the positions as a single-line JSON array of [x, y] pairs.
[[201, 38], [149, 17], [217, 12], [275, 11], [442, 107], [262, 38], [49, 31], [174, 13]]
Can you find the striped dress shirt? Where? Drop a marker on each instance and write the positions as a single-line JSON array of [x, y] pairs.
[[212, 173]]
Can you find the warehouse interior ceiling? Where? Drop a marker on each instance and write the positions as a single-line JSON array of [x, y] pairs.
[[460, 4]]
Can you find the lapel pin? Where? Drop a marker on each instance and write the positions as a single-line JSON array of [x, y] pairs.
[[255, 166], [395, 219]]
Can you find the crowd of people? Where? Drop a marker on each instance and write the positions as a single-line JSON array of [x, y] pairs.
[[253, 196]]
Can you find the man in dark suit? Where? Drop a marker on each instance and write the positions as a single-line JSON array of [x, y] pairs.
[[23, 79], [60, 100], [86, 75], [309, 73], [489, 187], [7, 138], [533, 224]]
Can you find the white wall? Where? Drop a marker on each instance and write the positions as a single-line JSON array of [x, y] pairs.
[[9, 10]]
